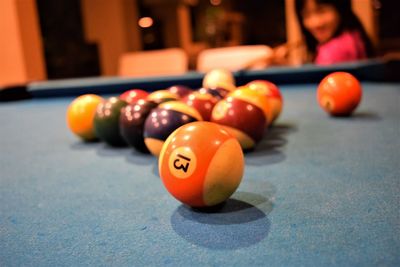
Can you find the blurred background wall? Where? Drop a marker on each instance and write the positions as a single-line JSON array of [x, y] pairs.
[[47, 39]]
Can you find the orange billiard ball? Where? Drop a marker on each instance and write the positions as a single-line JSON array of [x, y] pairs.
[[194, 165], [80, 115], [339, 93], [274, 96]]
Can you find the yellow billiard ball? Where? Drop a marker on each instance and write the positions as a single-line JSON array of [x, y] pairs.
[[80, 115]]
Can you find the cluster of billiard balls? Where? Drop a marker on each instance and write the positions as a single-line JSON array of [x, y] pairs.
[[199, 136]]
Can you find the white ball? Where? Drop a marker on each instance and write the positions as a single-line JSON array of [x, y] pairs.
[[219, 78]]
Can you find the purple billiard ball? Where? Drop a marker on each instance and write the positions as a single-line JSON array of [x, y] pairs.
[[131, 123], [165, 119]]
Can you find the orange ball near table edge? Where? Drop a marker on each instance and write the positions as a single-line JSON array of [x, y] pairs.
[[201, 164], [80, 115], [339, 93]]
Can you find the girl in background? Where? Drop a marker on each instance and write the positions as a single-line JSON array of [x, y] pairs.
[[332, 32]]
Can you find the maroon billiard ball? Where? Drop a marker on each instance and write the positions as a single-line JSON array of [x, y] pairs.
[[203, 102], [273, 94], [242, 118], [106, 121], [180, 90], [133, 95], [131, 123], [165, 119]]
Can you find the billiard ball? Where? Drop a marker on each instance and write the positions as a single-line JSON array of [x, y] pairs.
[[194, 166], [80, 114], [106, 121], [180, 90], [255, 97], [161, 96], [222, 90], [163, 120], [203, 102], [274, 96], [339, 93], [219, 93], [131, 123], [133, 95], [243, 117], [219, 78]]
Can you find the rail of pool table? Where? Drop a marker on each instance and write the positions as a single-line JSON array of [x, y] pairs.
[[371, 70]]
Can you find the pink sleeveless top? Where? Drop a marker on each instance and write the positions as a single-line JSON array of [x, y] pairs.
[[346, 47]]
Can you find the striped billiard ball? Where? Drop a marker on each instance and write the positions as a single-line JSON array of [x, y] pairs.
[[273, 94], [201, 164], [165, 119], [243, 115]]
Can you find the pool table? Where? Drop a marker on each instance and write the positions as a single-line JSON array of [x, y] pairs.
[[316, 191]]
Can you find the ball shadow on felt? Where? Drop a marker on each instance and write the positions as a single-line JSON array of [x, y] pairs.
[[231, 225]]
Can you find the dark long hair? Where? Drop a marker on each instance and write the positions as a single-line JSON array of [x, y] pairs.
[[348, 21]]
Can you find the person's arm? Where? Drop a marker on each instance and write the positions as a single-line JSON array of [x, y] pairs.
[[281, 55]]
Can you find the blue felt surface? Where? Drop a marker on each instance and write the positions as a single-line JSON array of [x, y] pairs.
[[318, 191]]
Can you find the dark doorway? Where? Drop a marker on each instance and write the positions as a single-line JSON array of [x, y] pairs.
[[67, 54], [389, 25]]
